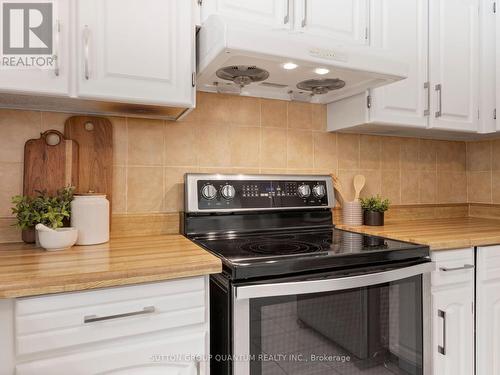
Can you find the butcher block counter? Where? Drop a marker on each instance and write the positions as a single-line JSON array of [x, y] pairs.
[[438, 234], [28, 271]]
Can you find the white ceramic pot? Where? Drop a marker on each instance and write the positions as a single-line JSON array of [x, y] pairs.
[[57, 239], [90, 215]]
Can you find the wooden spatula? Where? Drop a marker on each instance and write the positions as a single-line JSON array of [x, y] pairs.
[[359, 184]]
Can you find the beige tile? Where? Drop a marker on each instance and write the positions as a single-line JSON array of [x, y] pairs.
[[243, 110], [245, 146], [390, 153], [370, 152], [11, 175], [16, 127], [119, 189], [299, 115], [495, 187], [479, 186], [409, 154], [495, 154], [348, 151], [452, 187], [145, 141], [428, 186], [373, 185], [180, 144], [210, 109], [451, 156], [318, 116], [409, 186], [54, 120], [273, 171], [299, 149], [273, 148], [120, 140], [174, 188], [391, 186], [274, 113], [145, 189], [427, 155], [325, 151], [479, 156], [213, 145]]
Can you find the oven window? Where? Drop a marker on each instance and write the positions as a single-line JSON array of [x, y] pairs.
[[374, 330]]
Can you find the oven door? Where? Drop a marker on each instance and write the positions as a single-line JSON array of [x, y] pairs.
[[370, 323]]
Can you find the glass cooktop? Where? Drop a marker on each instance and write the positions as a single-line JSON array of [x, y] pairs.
[[277, 253]]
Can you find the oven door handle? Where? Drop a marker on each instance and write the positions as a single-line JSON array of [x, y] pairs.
[[328, 285]]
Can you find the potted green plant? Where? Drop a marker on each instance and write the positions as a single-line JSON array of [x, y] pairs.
[[373, 210], [53, 212]]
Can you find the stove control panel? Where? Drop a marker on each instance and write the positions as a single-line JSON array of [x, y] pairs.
[[209, 193]]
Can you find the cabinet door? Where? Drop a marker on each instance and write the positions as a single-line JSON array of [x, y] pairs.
[[453, 64], [135, 51], [342, 20], [401, 27], [272, 13], [488, 310], [453, 330], [173, 355], [50, 80]]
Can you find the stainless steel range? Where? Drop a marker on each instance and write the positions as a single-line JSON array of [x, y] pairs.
[[298, 296]]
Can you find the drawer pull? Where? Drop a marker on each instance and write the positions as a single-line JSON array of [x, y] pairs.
[[442, 349], [95, 318], [464, 267]]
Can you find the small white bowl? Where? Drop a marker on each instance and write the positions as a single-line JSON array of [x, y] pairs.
[[58, 239]]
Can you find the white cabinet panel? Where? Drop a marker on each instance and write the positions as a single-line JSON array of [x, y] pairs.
[[488, 310], [135, 51], [271, 13], [45, 81], [342, 20], [453, 64], [401, 28], [180, 352]]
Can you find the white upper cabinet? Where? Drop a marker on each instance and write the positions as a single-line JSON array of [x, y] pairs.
[[342, 20], [135, 51], [401, 27], [271, 13], [53, 80], [453, 64]]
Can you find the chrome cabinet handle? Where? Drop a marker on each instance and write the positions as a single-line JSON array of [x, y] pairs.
[[56, 45], [95, 318], [427, 87], [287, 15], [86, 42], [464, 267], [442, 349], [304, 19], [439, 90]]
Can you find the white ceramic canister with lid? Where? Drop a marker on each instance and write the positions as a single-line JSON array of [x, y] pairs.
[[90, 215]]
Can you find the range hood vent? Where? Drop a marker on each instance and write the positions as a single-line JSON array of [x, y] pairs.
[[321, 86], [242, 75]]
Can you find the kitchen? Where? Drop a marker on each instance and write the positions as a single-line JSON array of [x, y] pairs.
[[216, 149]]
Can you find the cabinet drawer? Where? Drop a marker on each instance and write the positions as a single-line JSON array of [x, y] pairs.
[[453, 266], [64, 320]]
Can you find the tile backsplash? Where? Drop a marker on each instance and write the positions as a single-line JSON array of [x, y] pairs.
[[233, 134], [483, 171]]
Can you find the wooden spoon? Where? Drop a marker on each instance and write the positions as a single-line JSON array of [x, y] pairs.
[[338, 186], [359, 184]]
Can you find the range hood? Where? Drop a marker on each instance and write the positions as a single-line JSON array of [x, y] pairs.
[[236, 58]]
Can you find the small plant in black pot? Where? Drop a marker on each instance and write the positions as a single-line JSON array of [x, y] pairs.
[[373, 210]]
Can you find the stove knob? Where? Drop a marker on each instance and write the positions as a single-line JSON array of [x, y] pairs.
[[304, 191], [209, 192], [319, 191], [228, 192]]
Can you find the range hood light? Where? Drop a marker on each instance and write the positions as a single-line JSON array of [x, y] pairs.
[[321, 71], [289, 66]]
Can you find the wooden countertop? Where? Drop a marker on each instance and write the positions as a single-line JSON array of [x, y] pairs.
[[27, 271], [438, 234]]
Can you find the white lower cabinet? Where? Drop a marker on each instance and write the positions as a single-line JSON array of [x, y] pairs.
[[453, 312], [488, 311], [144, 329]]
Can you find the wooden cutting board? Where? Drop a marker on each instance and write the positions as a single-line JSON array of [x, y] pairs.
[[50, 163], [94, 136]]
